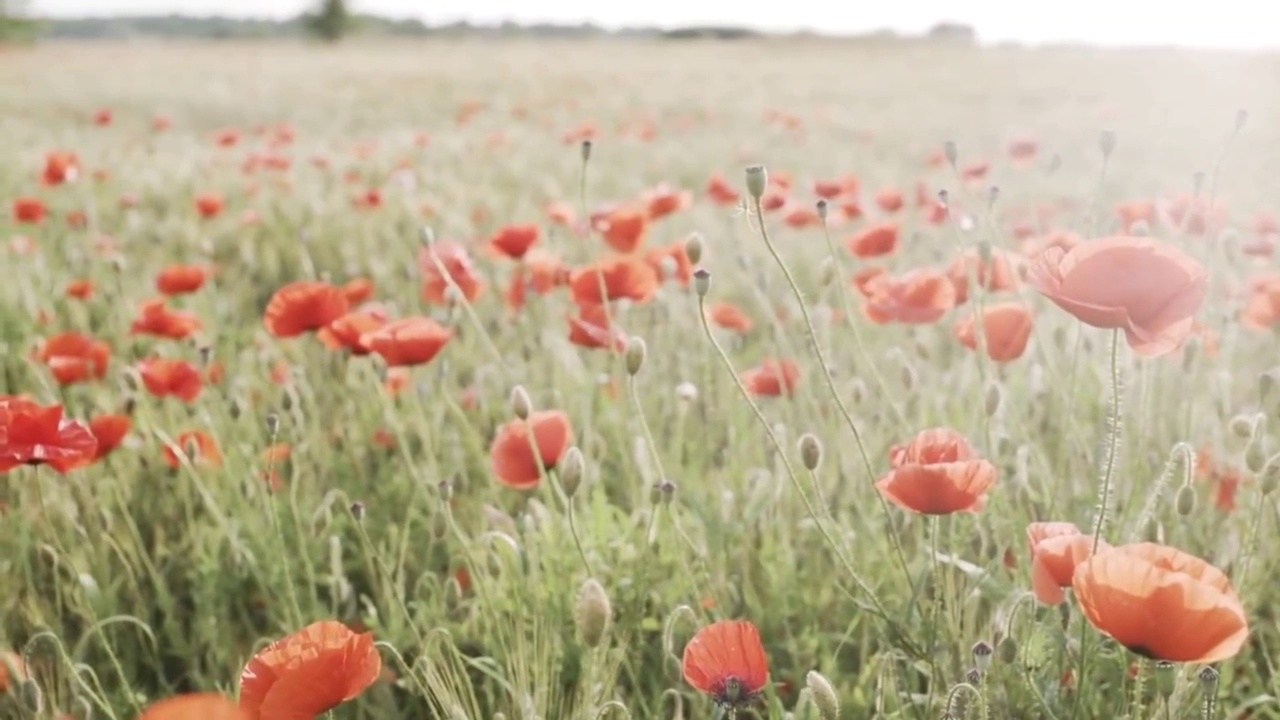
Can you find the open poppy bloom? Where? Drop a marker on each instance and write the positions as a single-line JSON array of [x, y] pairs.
[[918, 297], [773, 378], [157, 319], [592, 329], [512, 456], [665, 200], [721, 192], [29, 210], [1006, 330], [1149, 289], [164, 377], [197, 447], [348, 331], [994, 275], [444, 262], [730, 317], [302, 307], [624, 229], [514, 241], [726, 660], [1162, 603], [195, 706], [620, 278], [875, 241], [75, 358], [34, 435], [181, 279], [937, 473], [209, 205], [60, 167], [110, 431], [1056, 549], [309, 673], [411, 341]]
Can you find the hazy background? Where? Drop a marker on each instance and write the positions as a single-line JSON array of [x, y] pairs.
[[1240, 24]]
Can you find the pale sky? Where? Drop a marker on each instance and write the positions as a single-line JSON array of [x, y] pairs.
[[1216, 23]]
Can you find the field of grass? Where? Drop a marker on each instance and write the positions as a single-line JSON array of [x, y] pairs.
[[298, 473]]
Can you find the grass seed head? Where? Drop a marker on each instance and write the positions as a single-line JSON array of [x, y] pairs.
[[823, 694]]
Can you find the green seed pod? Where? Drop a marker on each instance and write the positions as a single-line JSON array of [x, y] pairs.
[[757, 179], [521, 405], [982, 652], [635, 354], [570, 469], [1008, 649], [701, 282], [1185, 501], [823, 694], [1166, 678]]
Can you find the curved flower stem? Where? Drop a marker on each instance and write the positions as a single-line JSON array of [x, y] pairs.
[[545, 475], [1116, 420], [831, 386], [937, 611]]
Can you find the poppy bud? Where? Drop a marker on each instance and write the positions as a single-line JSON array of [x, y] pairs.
[[826, 272], [1166, 678], [757, 178], [1254, 456], [118, 264], [701, 282], [273, 424], [1267, 382], [693, 248], [1209, 680], [592, 613], [445, 489], [521, 405], [821, 207], [586, 150], [1008, 649], [973, 676], [1185, 501], [634, 354], [687, 391], [1106, 142], [662, 492], [1242, 426], [205, 354], [950, 153], [810, 451], [570, 470], [823, 694], [982, 652], [427, 236], [991, 399], [984, 252], [31, 697], [857, 390], [944, 197], [357, 511], [1242, 116], [234, 409], [130, 404]]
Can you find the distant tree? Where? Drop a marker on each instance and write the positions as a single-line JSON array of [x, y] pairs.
[[15, 26], [953, 32], [331, 21]]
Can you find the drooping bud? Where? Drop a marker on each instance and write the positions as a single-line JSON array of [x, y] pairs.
[[1267, 382], [586, 150], [1008, 649], [1242, 426], [358, 511], [982, 652], [663, 492], [273, 424], [521, 405], [445, 488], [1185, 501], [593, 613], [757, 179], [701, 282], [31, 697], [993, 194], [821, 207], [991, 398], [570, 469], [810, 451], [823, 694], [1107, 142], [1166, 678], [693, 248], [635, 353]]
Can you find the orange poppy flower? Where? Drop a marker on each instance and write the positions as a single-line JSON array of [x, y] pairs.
[[1150, 290], [197, 446], [358, 291], [561, 213], [664, 200], [832, 189], [1006, 330], [919, 297], [1162, 603], [181, 279], [1225, 478], [11, 660], [75, 358], [726, 660], [773, 378], [1262, 306], [411, 341], [875, 241], [937, 473], [155, 318], [164, 377], [671, 263], [730, 317], [624, 229], [302, 307], [773, 200], [31, 434], [1056, 549], [29, 211], [209, 205], [511, 456], [195, 706], [60, 167], [514, 241], [445, 261], [347, 332], [1136, 213], [82, 289], [1033, 246], [623, 277], [110, 431], [721, 192], [976, 171], [890, 200], [802, 216], [591, 329], [995, 275], [309, 673]]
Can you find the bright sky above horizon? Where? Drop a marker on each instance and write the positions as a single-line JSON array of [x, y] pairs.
[[1222, 23]]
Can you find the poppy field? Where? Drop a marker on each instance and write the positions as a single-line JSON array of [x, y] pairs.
[[580, 380]]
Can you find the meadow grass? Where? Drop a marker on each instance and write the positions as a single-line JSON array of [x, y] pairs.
[[129, 581]]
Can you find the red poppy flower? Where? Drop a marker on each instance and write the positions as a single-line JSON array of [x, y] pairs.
[[1006, 330], [164, 377], [358, 291], [665, 200], [730, 317], [445, 261], [623, 277], [918, 297], [31, 434], [591, 329], [349, 330], [890, 200], [937, 473], [198, 447], [721, 191], [302, 307], [60, 167], [1056, 549], [726, 660], [514, 241], [103, 117], [411, 341], [75, 358], [996, 275], [29, 211], [875, 241], [181, 279], [110, 431], [195, 706], [209, 205], [773, 378], [309, 673], [82, 289], [624, 229], [512, 456], [156, 318]]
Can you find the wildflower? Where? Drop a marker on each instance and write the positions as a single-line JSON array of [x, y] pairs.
[[309, 673], [726, 661], [937, 473], [512, 455], [1057, 548], [32, 434], [303, 307]]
